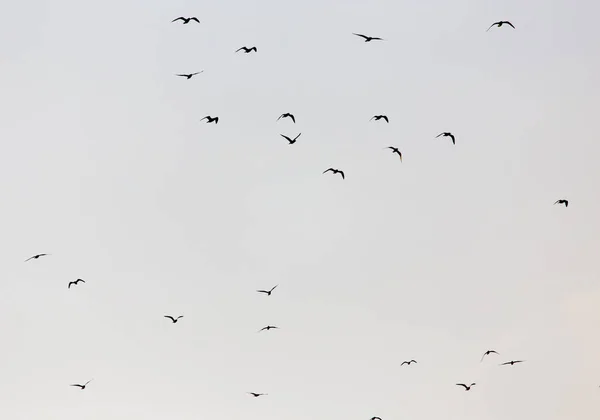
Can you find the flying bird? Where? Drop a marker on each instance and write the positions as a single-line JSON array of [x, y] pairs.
[[408, 363], [488, 352], [36, 257], [375, 418], [395, 150], [378, 117], [335, 171], [247, 50], [75, 282], [561, 201], [287, 115], [512, 362], [186, 20], [173, 319], [466, 387], [189, 76], [268, 292], [255, 394], [210, 119], [268, 327], [500, 23], [84, 385], [368, 38], [446, 134], [289, 139]]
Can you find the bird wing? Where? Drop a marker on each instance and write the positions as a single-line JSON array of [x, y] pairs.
[[286, 137], [473, 384], [276, 284], [179, 18], [342, 174], [240, 49], [205, 118], [262, 291], [80, 280], [495, 23], [180, 316], [296, 138], [510, 24], [505, 363], [566, 203], [404, 363], [198, 72], [361, 35], [413, 361], [452, 137], [327, 170], [373, 117], [88, 382], [376, 38], [400, 156], [441, 134], [463, 385], [184, 75], [263, 328], [170, 317], [254, 48], [293, 118], [195, 18], [280, 117], [386, 118], [80, 386], [70, 283]]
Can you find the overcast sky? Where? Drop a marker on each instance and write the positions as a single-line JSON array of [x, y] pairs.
[[458, 249]]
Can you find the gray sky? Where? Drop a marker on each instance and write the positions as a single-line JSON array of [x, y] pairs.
[[458, 249]]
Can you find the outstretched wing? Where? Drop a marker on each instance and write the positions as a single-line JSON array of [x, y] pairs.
[[342, 174], [240, 49], [170, 317], [463, 385], [510, 24], [286, 137], [70, 283], [277, 284], [195, 18], [293, 118], [404, 363], [495, 23], [180, 316], [386, 119], [452, 137], [296, 138], [361, 35], [327, 170], [179, 18], [262, 291], [441, 134]]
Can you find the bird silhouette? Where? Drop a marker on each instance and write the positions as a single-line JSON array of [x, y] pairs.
[[368, 38], [561, 201], [378, 117], [500, 23], [75, 282], [488, 352], [466, 387], [210, 119], [395, 150], [256, 394], [189, 76], [446, 134], [246, 49], [287, 115], [268, 327], [268, 292], [82, 386], [35, 257], [335, 171], [186, 20], [375, 418], [512, 362], [173, 319], [289, 139], [408, 363]]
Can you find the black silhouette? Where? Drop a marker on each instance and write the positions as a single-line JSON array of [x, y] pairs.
[[289, 139], [247, 50], [488, 352], [375, 418], [500, 23], [395, 150], [446, 134], [186, 20], [210, 119], [368, 38], [512, 362], [173, 319], [268, 327], [378, 117], [408, 363], [75, 282], [287, 115], [335, 171], [256, 395], [84, 385], [561, 201], [189, 76], [268, 292], [36, 257], [466, 387]]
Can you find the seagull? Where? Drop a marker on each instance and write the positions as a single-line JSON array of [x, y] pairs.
[[378, 117], [375, 418], [255, 395], [186, 20], [500, 23], [446, 134], [408, 363], [486, 353], [268, 327], [466, 387], [512, 362], [336, 171], [561, 201], [75, 282], [173, 319], [247, 50], [395, 150], [287, 115], [368, 38], [289, 139], [210, 119], [36, 257], [189, 76], [84, 385], [268, 292]]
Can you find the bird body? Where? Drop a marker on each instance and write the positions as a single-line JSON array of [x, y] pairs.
[[173, 319], [378, 117], [368, 38], [500, 23], [335, 171], [210, 119], [562, 201], [291, 141], [189, 75], [268, 327], [467, 387], [512, 362], [75, 282], [186, 20], [408, 362], [395, 150], [256, 394], [247, 50], [82, 387], [268, 292], [447, 134], [287, 115], [35, 257], [488, 352]]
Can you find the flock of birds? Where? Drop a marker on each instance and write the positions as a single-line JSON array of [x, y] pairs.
[[334, 171]]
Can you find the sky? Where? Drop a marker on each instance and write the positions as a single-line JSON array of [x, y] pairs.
[[458, 249]]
